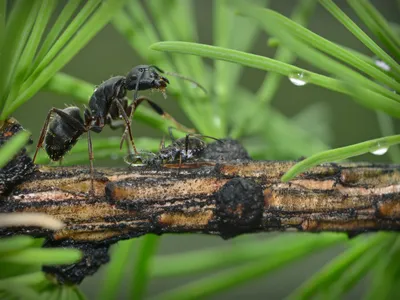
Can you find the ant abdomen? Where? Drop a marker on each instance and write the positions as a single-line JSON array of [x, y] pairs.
[[62, 136]]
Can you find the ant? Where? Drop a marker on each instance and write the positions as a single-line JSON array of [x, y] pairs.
[[108, 104], [180, 150]]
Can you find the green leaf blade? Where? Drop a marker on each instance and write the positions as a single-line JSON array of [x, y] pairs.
[[340, 154], [13, 146]]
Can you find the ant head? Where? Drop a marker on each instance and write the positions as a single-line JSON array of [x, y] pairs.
[[145, 77]]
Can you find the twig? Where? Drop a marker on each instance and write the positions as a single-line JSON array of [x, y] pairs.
[[225, 199]]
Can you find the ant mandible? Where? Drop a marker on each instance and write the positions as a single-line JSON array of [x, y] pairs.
[[107, 105]]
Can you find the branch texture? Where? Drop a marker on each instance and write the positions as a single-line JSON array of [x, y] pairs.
[[226, 194], [226, 199]]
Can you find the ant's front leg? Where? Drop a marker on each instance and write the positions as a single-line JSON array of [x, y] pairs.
[[117, 124], [123, 112], [135, 104]]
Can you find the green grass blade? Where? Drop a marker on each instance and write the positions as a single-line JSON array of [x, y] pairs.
[[25, 279], [226, 75], [18, 291], [377, 24], [301, 15], [185, 30], [222, 281], [98, 20], [60, 43], [188, 31], [3, 9], [386, 126], [16, 243], [223, 23], [18, 27], [365, 97], [45, 9], [357, 271], [66, 13], [282, 28], [361, 35], [336, 268], [147, 250], [206, 260], [340, 154], [13, 146], [386, 275], [44, 256], [115, 274], [162, 15], [77, 293], [64, 84], [145, 32]]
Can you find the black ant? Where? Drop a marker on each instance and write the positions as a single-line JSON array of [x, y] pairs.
[[180, 150], [107, 105]]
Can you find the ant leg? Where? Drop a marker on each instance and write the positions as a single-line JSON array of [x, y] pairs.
[[187, 144], [135, 94], [127, 123], [91, 158], [159, 111], [116, 124], [134, 105], [162, 143], [173, 139], [42, 134]]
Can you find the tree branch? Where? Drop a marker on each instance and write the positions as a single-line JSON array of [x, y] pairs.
[[227, 194], [225, 199]]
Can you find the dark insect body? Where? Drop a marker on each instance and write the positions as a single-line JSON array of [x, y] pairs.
[[108, 104], [180, 150]]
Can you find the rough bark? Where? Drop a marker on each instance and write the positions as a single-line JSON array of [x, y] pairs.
[[226, 199], [226, 195]]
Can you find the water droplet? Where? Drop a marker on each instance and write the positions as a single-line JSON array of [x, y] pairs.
[[380, 149], [193, 85], [298, 79], [381, 64], [114, 156]]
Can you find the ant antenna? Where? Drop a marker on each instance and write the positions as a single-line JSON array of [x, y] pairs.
[[181, 77], [195, 135]]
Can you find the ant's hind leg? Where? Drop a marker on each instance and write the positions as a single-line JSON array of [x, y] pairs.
[[42, 134]]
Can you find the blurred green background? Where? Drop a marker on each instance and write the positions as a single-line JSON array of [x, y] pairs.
[[109, 54]]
